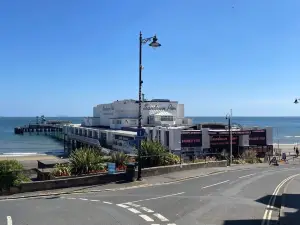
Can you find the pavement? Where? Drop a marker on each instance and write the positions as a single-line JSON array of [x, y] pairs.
[[290, 203], [241, 194]]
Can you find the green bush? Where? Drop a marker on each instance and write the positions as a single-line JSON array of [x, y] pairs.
[[119, 158], [83, 161], [61, 170], [11, 174], [154, 153]]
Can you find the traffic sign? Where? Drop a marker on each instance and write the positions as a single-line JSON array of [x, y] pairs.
[[141, 132]]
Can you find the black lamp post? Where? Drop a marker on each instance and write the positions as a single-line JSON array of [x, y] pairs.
[[228, 117], [297, 100], [153, 44]]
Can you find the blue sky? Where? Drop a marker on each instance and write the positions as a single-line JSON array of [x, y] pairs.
[[63, 57]]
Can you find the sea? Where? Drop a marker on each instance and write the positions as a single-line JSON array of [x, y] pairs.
[[286, 131]]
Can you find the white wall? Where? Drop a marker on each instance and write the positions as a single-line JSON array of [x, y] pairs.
[[180, 110], [269, 135]]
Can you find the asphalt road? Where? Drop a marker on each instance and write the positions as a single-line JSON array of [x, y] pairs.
[[225, 198]]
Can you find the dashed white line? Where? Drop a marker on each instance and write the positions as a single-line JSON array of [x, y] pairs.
[[248, 175], [147, 199], [161, 217], [95, 200], [134, 210], [9, 220], [147, 218], [132, 204], [216, 184], [107, 202], [123, 206], [147, 210], [84, 199]]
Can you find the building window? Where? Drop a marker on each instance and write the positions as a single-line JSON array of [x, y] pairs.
[[166, 118]]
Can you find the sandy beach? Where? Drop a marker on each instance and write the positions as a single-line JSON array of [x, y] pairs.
[[29, 162]]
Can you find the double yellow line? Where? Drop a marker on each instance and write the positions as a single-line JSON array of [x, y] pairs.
[[268, 212]]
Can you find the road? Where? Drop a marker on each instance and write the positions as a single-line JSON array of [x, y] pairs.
[[224, 198]]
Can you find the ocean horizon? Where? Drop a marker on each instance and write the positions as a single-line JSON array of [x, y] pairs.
[[286, 131]]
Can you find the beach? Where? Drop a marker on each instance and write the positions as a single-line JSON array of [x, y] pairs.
[[29, 162]]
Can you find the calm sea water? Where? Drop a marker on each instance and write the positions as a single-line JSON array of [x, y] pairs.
[[286, 130]]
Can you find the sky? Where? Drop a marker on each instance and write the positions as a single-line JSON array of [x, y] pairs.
[[63, 57]]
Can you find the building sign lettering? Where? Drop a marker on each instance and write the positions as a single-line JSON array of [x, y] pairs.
[[170, 107], [107, 108]]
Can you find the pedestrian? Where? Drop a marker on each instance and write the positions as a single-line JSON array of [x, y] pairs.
[[294, 148], [297, 152]]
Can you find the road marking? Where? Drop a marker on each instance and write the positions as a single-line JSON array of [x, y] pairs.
[[161, 217], [147, 218], [95, 200], [123, 206], [9, 220], [268, 212], [147, 210], [171, 224], [248, 175], [216, 184], [133, 210], [147, 199], [132, 204], [107, 202], [84, 199], [71, 198]]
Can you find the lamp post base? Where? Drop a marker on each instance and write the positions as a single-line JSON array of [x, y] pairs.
[[139, 179]]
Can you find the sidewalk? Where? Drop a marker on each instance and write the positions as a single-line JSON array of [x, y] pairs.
[[147, 181], [290, 203]]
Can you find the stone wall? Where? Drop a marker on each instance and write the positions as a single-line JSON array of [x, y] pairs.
[[154, 171], [87, 180]]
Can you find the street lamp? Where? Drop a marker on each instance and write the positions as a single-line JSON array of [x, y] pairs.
[[154, 43], [297, 100], [228, 117]]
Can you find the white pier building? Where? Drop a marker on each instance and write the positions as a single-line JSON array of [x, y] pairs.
[[114, 125]]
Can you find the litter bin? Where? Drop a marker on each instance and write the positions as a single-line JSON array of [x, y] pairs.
[[130, 172]]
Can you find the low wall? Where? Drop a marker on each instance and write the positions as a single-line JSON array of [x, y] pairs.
[[87, 180], [69, 182], [154, 171]]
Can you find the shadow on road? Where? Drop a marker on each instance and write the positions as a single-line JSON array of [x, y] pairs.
[[289, 216]]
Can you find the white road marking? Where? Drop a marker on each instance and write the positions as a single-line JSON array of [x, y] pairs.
[[147, 218], [248, 175], [95, 200], [161, 217], [147, 199], [171, 224], [107, 202], [123, 206], [84, 199], [133, 210], [9, 220], [147, 210], [216, 184], [132, 204], [268, 212]]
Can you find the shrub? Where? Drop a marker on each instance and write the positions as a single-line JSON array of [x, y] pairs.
[[61, 170], [84, 160], [11, 174], [119, 158]]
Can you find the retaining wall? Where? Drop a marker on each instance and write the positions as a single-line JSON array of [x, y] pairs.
[[87, 180]]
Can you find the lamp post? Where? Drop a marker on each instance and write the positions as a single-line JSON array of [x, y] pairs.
[[228, 117], [297, 100], [153, 44]]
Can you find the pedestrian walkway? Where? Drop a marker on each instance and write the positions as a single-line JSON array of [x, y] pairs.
[[290, 205]]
